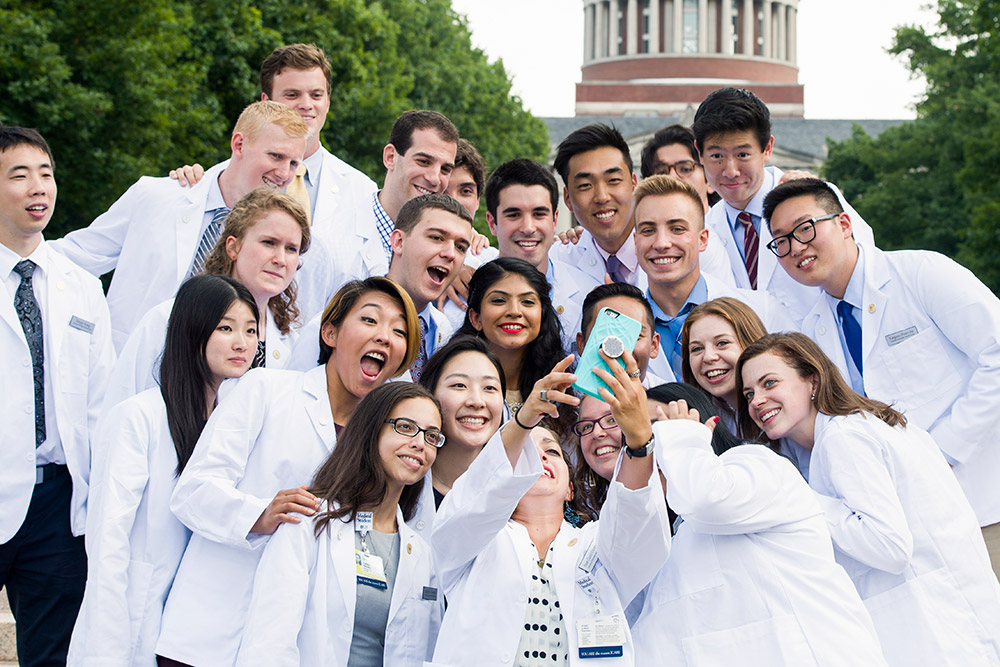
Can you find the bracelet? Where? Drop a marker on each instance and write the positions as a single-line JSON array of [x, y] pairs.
[[526, 428]]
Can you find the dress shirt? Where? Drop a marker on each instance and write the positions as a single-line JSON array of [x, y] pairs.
[[756, 210], [669, 327], [625, 254], [314, 165], [384, 224]]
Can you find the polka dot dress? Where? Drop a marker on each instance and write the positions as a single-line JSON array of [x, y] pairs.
[[543, 640]]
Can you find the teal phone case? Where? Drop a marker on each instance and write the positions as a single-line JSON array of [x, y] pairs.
[[609, 323]]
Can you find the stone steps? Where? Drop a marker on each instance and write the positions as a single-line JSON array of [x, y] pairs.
[[8, 646]]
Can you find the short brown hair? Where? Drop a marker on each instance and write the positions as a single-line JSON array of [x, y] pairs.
[[661, 184], [265, 112], [293, 56], [240, 220], [411, 212], [401, 135]]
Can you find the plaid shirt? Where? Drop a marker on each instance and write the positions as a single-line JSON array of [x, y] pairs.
[[384, 224]]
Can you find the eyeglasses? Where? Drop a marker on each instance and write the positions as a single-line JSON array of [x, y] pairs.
[[682, 167], [585, 427], [804, 232], [409, 428]]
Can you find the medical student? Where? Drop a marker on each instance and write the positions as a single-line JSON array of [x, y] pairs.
[[264, 237], [510, 562], [55, 356], [751, 578], [134, 542], [913, 319], [901, 526], [355, 585], [259, 451], [714, 335]]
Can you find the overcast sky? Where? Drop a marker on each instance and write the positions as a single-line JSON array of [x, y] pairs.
[[842, 44]]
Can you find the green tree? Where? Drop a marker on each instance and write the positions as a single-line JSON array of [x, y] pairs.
[[934, 183]]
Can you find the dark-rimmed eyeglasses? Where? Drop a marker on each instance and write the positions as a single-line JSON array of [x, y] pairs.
[[804, 232], [585, 427], [409, 428], [682, 167]]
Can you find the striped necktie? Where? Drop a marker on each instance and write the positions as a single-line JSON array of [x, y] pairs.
[[208, 240], [750, 243]]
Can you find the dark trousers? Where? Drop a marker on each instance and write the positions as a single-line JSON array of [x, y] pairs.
[[44, 569]]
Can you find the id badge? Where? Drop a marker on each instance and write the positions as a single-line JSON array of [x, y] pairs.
[[370, 570], [601, 637]]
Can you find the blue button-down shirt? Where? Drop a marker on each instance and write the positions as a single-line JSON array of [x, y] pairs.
[[669, 327]]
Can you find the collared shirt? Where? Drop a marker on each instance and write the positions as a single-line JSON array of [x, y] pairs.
[[50, 451], [854, 295], [669, 327], [384, 224], [430, 338], [756, 210], [314, 165], [626, 255], [213, 202]]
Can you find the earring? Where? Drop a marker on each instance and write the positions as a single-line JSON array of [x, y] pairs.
[[591, 479], [571, 515], [813, 397]]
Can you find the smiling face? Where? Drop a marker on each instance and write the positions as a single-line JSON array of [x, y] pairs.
[[27, 196], [266, 260], [406, 460], [368, 346], [671, 154], [231, 347], [734, 165], [305, 92], [268, 160], [525, 224], [599, 193], [828, 260], [554, 484], [713, 352], [462, 188], [669, 239], [426, 259], [510, 315], [424, 169], [471, 399], [601, 446], [779, 401]]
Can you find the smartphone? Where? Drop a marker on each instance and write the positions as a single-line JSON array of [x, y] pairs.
[[609, 323]]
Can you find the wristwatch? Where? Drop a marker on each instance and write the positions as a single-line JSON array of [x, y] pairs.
[[638, 452]]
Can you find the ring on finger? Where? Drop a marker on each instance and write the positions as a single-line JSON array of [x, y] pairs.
[[634, 374], [544, 395]]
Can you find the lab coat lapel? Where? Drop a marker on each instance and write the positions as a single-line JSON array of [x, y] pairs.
[[9, 315], [342, 553], [877, 279], [190, 216], [327, 190], [567, 547], [526, 554], [318, 409]]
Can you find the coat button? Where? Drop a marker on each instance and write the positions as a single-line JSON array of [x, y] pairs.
[[25, 363], [560, 309], [60, 285], [871, 307], [323, 421], [28, 409], [30, 456], [822, 331], [186, 218], [593, 261], [421, 524], [276, 354]]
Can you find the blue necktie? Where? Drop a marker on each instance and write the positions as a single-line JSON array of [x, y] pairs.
[[852, 332], [614, 266], [31, 322]]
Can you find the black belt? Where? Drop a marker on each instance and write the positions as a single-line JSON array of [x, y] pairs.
[[49, 471]]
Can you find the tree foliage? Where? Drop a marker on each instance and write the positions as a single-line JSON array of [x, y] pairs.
[[122, 89], [935, 183]]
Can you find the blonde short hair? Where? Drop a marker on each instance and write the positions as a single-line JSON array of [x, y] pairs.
[[265, 112], [660, 185]]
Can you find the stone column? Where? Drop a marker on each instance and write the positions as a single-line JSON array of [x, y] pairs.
[[614, 25], [588, 31], [782, 38], [726, 16], [702, 26], [765, 29], [749, 19], [678, 26], [654, 26], [631, 28], [793, 15]]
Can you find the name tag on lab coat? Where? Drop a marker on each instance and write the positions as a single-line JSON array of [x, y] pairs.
[[370, 570], [601, 637], [898, 337]]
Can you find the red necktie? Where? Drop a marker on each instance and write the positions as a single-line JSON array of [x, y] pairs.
[[750, 243]]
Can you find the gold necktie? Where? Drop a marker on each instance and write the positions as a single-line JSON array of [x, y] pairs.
[[297, 189]]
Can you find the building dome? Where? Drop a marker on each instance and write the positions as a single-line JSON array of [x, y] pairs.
[[663, 57]]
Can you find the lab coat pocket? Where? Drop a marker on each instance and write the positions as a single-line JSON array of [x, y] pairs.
[[701, 572], [932, 600], [416, 625], [74, 362], [775, 642], [936, 377], [140, 575]]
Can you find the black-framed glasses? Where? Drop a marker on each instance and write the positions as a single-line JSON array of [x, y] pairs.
[[804, 232], [586, 426], [409, 428], [682, 167]]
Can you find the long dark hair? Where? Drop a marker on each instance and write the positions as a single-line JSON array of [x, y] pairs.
[[352, 478], [458, 344], [834, 396], [199, 306]]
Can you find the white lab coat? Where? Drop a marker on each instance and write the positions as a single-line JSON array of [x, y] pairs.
[[751, 578], [138, 365], [78, 364], [304, 596], [908, 538], [946, 377], [771, 312], [272, 432], [484, 559], [149, 237], [134, 541], [771, 278]]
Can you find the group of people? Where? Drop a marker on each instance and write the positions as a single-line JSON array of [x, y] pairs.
[[316, 421]]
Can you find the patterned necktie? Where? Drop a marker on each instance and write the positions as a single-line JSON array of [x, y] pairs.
[[615, 269], [208, 240], [31, 322], [418, 366], [297, 189], [750, 243], [259, 355], [852, 332]]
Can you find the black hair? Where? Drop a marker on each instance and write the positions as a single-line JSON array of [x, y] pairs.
[[732, 110], [458, 344], [825, 197], [602, 292], [588, 138], [668, 136], [200, 304], [401, 134], [12, 136], [520, 172], [696, 398]]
